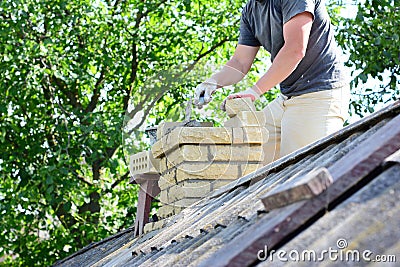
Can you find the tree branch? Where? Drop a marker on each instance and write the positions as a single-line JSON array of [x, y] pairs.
[[5, 17], [117, 182], [93, 101], [144, 14], [134, 67], [146, 111], [140, 105], [82, 179], [202, 55], [160, 94]]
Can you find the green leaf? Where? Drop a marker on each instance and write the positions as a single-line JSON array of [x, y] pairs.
[[50, 189], [49, 180], [67, 206], [363, 77]]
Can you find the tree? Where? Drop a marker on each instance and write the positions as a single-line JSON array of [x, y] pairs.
[[68, 70], [372, 39]]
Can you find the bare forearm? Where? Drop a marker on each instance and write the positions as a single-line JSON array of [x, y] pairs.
[[237, 67], [231, 73], [284, 64]]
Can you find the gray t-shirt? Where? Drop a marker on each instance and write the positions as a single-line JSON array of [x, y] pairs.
[[321, 68]]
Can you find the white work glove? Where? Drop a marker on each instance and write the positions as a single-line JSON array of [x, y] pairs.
[[203, 92], [251, 93]]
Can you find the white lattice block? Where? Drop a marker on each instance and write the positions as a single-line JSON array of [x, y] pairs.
[[140, 163]]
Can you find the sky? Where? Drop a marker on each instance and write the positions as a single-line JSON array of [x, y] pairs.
[[350, 8]]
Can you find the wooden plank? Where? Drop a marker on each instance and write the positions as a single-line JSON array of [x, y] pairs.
[[147, 191], [346, 172], [310, 185]]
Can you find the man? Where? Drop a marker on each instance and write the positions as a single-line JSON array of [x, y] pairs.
[[305, 62]]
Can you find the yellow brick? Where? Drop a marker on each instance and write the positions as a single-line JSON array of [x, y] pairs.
[[188, 171], [160, 147], [238, 136], [155, 162], [167, 179], [162, 166], [154, 226], [185, 190], [255, 135], [202, 135], [165, 145], [165, 165], [249, 168], [175, 193], [196, 188], [188, 192], [163, 197], [219, 183], [246, 118], [163, 184], [188, 189], [191, 135], [188, 153], [148, 227], [242, 153], [166, 127], [234, 106]]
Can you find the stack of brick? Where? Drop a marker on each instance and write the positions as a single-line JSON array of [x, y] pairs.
[[194, 161]]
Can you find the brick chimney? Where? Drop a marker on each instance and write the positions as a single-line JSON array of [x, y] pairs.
[[194, 161], [187, 163]]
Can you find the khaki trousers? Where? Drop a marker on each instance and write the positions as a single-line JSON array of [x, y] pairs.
[[300, 120]]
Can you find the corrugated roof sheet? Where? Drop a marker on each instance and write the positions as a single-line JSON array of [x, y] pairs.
[[368, 220], [230, 226]]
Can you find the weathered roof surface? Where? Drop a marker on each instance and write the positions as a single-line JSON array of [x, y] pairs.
[[368, 220], [231, 226]]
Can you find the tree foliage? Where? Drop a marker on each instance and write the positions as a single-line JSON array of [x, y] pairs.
[[372, 40], [68, 70]]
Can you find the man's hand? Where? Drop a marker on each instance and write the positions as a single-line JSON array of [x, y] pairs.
[[203, 93], [250, 93]]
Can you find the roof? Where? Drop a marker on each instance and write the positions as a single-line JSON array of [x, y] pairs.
[[358, 211]]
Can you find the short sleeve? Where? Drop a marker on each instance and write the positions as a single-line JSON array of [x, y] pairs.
[[246, 34], [292, 8]]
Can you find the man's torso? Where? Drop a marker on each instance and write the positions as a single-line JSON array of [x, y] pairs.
[[321, 68]]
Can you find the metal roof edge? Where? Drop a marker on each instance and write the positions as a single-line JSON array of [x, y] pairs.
[[93, 245]]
